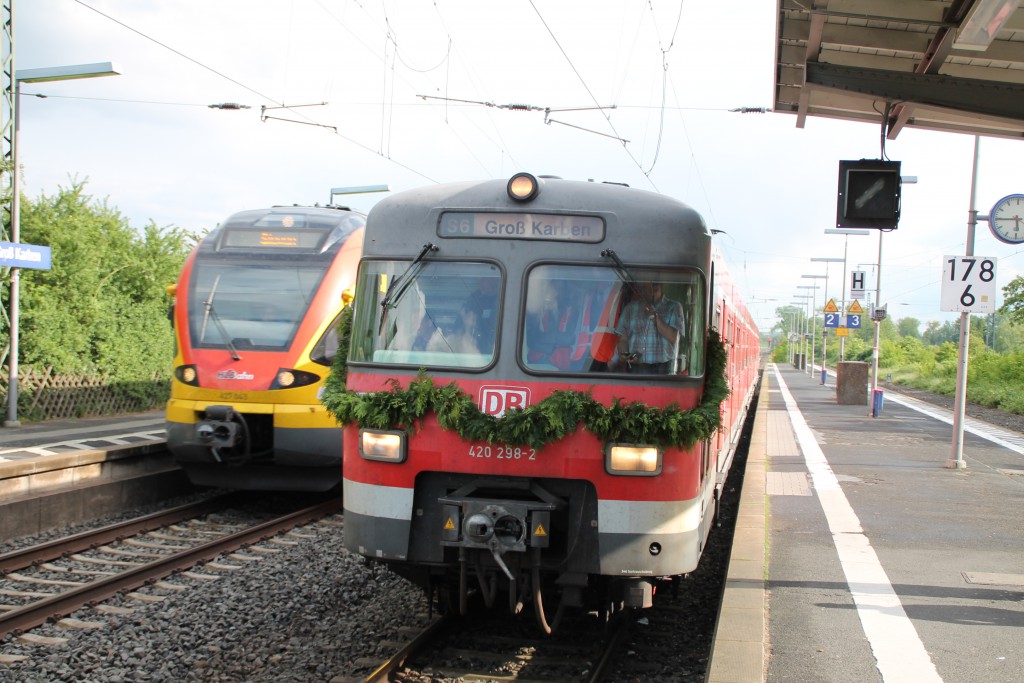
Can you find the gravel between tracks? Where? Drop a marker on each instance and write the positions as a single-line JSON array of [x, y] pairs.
[[305, 614]]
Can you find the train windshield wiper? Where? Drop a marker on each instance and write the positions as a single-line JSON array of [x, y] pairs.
[[210, 314], [627, 277], [401, 283]]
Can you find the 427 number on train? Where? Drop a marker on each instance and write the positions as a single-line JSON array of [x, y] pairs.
[[968, 284]]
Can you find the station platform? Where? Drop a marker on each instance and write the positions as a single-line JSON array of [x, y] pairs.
[[859, 556], [54, 471], [30, 441]]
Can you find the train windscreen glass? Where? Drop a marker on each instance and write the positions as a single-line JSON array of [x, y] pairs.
[[582, 319], [250, 305], [439, 314]]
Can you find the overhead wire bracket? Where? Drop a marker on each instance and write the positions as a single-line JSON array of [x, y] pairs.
[[264, 108], [530, 107]]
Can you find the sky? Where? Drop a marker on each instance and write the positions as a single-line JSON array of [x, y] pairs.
[[409, 93]]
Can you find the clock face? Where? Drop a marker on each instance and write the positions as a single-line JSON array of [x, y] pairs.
[[1007, 219]]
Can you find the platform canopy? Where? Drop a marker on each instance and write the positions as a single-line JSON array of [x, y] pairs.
[[949, 65]]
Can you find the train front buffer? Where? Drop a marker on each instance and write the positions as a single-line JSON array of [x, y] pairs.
[[500, 528]]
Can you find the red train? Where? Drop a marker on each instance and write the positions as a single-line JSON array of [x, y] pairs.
[[544, 389], [255, 317]]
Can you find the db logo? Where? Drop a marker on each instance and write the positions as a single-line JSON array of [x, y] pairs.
[[496, 400]]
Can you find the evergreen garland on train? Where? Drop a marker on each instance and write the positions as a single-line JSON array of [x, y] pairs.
[[536, 426]]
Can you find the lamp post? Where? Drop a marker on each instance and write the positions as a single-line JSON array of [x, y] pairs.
[[798, 332], [814, 320], [803, 336], [824, 330], [54, 73]]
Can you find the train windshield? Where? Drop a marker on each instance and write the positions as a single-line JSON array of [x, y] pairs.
[[248, 305], [439, 314], [582, 319]]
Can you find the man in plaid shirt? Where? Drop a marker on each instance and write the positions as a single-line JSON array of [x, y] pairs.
[[649, 332]]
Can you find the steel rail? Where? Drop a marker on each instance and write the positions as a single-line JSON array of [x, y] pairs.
[[51, 550], [65, 603], [622, 627], [424, 637]]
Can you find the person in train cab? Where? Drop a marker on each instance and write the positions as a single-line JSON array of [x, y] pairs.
[[469, 332], [550, 323], [649, 332]]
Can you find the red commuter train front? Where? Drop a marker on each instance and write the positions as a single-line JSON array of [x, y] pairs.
[[531, 394]]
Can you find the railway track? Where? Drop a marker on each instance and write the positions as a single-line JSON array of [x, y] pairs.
[[499, 648], [54, 579]]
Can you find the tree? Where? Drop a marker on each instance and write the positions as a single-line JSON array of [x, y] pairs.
[[1013, 300], [103, 304], [909, 327], [936, 334]]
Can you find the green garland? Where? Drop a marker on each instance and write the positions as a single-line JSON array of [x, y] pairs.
[[536, 426]]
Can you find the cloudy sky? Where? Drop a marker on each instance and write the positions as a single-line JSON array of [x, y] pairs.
[[409, 93]]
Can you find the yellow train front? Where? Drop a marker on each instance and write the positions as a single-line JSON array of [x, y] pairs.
[[255, 315], [534, 398]]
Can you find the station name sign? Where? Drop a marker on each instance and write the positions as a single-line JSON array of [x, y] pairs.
[[523, 226], [16, 255]]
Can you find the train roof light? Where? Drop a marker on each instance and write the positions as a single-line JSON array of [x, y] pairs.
[[523, 187]]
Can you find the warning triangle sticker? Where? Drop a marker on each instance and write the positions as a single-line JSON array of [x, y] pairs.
[[831, 307], [540, 531], [855, 307], [449, 525]]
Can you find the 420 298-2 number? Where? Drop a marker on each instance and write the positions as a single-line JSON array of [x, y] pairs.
[[502, 452]]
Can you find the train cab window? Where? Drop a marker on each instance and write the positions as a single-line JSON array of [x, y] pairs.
[[229, 306], [582, 319], [441, 314]]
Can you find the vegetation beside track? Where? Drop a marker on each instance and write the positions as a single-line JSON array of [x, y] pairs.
[[927, 359]]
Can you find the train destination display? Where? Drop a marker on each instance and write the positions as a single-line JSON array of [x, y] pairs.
[[558, 227]]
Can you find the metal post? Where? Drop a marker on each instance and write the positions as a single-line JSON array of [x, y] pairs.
[[824, 334], [842, 299], [814, 330], [876, 399], [12, 357], [58, 73], [956, 458]]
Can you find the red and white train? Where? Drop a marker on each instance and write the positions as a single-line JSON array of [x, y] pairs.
[[534, 393]]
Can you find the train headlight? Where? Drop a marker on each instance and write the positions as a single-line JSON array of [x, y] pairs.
[[386, 446], [186, 374], [286, 378], [522, 187], [632, 460]]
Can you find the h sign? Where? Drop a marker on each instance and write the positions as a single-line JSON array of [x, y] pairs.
[[857, 284]]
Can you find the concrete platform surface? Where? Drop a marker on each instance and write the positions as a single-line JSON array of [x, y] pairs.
[[862, 556]]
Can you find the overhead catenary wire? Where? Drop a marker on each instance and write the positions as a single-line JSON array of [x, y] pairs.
[[590, 92], [255, 91]]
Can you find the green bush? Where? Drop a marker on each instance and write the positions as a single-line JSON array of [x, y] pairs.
[[103, 303]]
